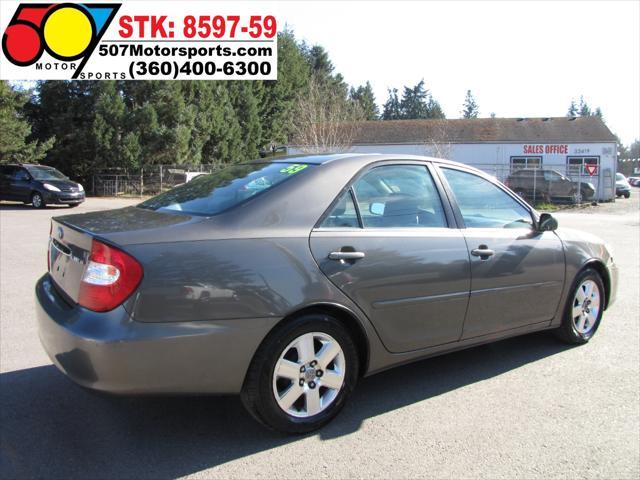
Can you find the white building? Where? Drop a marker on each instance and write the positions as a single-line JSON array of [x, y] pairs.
[[582, 148]]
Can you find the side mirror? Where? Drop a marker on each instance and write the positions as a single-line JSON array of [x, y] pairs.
[[547, 223], [377, 208]]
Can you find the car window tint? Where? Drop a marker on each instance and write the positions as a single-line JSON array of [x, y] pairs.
[[21, 174], [399, 196], [483, 204], [343, 214], [212, 194]]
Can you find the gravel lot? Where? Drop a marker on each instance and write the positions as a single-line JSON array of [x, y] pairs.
[[527, 407]]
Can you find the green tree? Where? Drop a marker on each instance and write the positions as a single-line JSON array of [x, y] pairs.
[[583, 109], [245, 97], [392, 109], [470, 107], [573, 109], [414, 103], [364, 97], [65, 110], [15, 128], [279, 97], [109, 127]]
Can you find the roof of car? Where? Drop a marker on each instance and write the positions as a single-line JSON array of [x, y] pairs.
[[320, 159]]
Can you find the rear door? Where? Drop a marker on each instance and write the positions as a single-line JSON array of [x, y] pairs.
[[6, 177], [517, 273], [390, 244]]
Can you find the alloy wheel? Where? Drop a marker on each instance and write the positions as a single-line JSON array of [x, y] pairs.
[[309, 374], [586, 307]]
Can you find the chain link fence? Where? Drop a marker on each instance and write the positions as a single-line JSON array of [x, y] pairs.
[[148, 181]]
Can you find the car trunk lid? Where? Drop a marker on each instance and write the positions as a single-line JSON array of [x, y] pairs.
[[69, 251]]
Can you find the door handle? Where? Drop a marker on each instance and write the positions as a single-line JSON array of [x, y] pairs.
[[483, 252], [346, 255]]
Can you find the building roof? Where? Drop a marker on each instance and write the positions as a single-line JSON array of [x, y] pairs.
[[480, 130]]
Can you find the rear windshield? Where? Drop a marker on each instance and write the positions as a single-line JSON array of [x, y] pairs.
[[46, 173], [212, 194]]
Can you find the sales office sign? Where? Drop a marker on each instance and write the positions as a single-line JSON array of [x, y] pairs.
[[137, 40]]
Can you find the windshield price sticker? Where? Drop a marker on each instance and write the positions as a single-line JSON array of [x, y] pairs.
[[137, 40]]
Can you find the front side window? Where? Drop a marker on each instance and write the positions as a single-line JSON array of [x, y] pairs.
[[212, 194], [552, 176], [483, 204], [399, 196], [21, 175]]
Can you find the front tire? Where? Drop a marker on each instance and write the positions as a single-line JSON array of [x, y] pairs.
[[627, 195], [37, 201], [302, 374], [583, 310]]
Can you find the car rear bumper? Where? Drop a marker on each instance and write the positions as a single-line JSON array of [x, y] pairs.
[[64, 198], [113, 353]]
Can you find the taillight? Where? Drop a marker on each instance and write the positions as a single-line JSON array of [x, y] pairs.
[[109, 278]]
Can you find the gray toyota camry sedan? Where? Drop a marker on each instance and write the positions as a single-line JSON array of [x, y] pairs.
[[287, 280]]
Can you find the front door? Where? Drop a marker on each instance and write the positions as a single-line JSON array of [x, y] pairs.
[[517, 273], [386, 243]]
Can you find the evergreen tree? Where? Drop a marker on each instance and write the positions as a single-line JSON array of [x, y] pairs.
[[391, 109], [470, 107], [364, 97], [66, 110], [245, 98], [414, 103], [434, 110], [583, 108], [15, 128], [109, 126], [278, 98]]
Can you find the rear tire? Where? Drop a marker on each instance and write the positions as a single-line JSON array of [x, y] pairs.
[[302, 374], [627, 195], [37, 201], [584, 308]]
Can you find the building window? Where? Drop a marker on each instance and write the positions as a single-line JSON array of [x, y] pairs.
[[583, 165], [519, 163]]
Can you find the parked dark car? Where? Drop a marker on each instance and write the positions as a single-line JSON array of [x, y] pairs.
[[623, 189], [547, 185], [634, 181], [38, 185], [286, 281]]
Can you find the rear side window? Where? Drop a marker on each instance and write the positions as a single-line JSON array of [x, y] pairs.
[[399, 196], [212, 194]]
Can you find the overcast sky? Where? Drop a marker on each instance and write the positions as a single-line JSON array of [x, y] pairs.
[[520, 59]]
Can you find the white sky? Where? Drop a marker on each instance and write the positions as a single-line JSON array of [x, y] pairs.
[[520, 59]]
